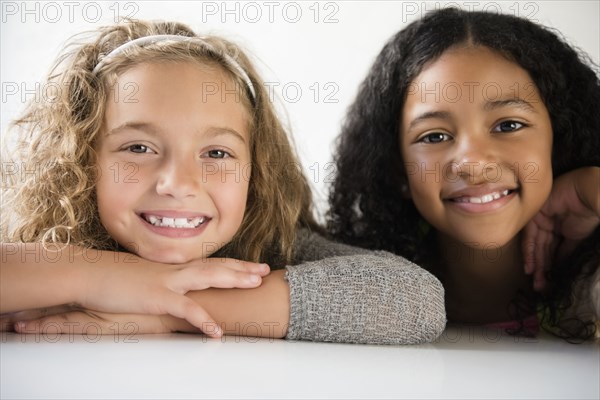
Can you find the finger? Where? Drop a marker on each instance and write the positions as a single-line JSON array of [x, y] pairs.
[[239, 265], [71, 323], [215, 276], [185, 308], [544, 220], [86, 323], [536, 238], [542, 248], [528, 247], [539, 282], [543, 256]]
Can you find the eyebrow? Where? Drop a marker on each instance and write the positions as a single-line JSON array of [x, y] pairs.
[[429, 115], [512, 102], [136, 126], [488, 106], [220, 131], [153, 130]]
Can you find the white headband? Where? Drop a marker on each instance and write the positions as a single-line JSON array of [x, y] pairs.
[[178, 38]]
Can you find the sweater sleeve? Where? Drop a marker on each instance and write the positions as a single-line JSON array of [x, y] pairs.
[[339, 293]]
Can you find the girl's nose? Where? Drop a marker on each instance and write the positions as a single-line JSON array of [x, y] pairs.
[[178, 179], [474, 160]]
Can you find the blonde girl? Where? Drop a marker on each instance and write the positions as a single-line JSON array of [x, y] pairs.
[[162, 164]]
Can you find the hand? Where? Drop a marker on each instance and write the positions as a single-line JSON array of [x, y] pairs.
[[260, 312], [569, 215], [152, 288], [85, 322], [7, 320]]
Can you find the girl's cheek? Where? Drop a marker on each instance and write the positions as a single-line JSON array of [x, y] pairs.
[[225, 174]]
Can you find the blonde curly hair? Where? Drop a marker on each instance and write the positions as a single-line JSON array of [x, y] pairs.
[[55, 139]]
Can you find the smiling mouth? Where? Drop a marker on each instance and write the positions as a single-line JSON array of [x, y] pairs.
[[486, 198], [171, 222]]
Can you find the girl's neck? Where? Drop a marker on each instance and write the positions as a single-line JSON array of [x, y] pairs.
[[481, 283]]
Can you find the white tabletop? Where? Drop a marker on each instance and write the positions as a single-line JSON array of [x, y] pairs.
[[466, 362]]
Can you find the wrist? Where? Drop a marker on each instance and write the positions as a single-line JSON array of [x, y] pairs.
[[91, 271], [80, 270]]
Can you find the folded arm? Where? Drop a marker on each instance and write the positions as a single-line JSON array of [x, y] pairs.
[[33, 277], [355, 296]]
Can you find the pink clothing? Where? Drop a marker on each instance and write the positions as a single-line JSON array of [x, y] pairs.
[[530, 324]]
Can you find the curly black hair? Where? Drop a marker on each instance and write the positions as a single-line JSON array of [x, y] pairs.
[[368, 208]]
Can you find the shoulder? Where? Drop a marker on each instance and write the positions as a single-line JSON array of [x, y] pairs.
[[314, 251]]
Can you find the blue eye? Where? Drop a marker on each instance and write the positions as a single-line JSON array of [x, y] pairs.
[[436, 137], [138, 148], [217, 154], [508, 126]]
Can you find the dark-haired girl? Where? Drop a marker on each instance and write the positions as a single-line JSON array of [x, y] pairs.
[[473, 149]]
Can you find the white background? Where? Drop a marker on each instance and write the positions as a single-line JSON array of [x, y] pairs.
[[322, 48]]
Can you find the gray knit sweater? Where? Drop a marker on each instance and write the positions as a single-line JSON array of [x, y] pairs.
[[340, 293]]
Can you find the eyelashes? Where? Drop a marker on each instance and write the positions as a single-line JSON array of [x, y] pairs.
[[217, 153], [507, 126], [138, 148], [435, 137]]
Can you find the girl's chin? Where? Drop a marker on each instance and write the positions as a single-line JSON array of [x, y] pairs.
[[488, 245], [169, 257], [486, 242]]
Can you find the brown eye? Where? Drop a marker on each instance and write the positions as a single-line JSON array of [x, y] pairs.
[[138, 148], [436, 137], [508, 126]]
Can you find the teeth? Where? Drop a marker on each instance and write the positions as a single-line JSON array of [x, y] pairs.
[[483, 199], [175, 222], [168, 221], [181, 222]]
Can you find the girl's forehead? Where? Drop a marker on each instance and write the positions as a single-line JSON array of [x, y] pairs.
[[468, 57], [155, 63], [206, 78], [175, 94], [470, 70], [470, 78]]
